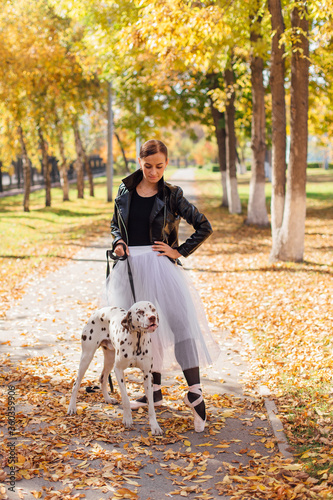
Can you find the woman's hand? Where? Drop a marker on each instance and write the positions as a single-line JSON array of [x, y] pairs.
[[166, 250], [119, 250]]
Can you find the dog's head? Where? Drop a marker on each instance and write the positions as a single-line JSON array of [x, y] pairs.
[[141, 316]]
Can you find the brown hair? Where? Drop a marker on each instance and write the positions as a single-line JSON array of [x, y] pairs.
[[152, 147]]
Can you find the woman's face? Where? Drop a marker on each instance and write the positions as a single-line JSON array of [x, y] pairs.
[[153, 167]]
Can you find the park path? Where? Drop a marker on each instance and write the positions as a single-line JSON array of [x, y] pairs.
[[46, 325]]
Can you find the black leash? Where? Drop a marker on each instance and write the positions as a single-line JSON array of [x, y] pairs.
[[95, 388], [111, 255]]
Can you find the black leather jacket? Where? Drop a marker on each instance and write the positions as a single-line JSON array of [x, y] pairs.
[[169, 207]]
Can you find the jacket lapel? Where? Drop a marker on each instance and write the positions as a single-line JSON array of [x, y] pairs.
[[157, 207]]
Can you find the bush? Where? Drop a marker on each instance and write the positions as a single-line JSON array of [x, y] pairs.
[[319, 165], [315, 165], [215, 167]]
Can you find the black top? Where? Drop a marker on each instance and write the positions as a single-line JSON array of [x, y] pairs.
[[138, 221], [169, 201]]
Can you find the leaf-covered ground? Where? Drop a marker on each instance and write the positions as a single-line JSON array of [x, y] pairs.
[[92, 450]]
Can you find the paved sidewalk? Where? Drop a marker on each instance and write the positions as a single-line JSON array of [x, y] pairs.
[[44, 329]]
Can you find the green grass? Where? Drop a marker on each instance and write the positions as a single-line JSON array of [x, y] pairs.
[[36, 241], [310, 423], [319, 186], [63, 220]]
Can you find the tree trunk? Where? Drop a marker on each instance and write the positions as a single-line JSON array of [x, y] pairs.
[[232, 188], [277, 77], [63, 166], [84, 158], [220, 133], [290, 244], [1, 185], [46, 168], [122, 152], [79, 162], [26, 171], [90, 175], [256, 210], [18, 165]]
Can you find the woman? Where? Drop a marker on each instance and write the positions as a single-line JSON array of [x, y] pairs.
[[146, 219]]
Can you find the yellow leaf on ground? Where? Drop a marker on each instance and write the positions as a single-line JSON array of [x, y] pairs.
[[37, 494]]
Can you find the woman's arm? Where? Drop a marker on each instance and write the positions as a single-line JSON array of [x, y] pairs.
[[164, 249], [199, 221]]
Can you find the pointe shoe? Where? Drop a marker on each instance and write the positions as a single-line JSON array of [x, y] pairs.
[[142, 402], [199, 423]]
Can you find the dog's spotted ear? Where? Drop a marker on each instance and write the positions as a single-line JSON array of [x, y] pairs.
[[127, 321], [156, 314]]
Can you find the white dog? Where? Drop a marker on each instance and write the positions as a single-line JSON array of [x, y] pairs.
[[125, 338]]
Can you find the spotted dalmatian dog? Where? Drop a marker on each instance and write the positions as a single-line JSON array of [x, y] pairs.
[[125, 338]]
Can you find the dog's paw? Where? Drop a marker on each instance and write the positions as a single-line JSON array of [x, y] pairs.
[[71, 410], [111, 401], [156, 431], [128, 422]]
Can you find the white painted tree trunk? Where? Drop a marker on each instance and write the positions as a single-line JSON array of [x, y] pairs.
[[224, 189], [256, 210], [277, 78], [235, 206], [277, 204], [289, 242]]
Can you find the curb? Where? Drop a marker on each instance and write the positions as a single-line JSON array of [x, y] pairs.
[[276, 423]]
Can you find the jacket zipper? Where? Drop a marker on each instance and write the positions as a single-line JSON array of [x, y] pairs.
[[124, 226]]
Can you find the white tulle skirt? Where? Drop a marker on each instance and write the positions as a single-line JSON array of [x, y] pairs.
[[183, 334]]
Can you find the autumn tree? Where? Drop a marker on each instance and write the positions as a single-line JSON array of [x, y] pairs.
[[44, 84], [13, 91], [288, 239], [256, 210], [279, 137], [180, 40]]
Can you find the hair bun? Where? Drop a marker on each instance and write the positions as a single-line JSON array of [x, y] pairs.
[[152, 147]]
